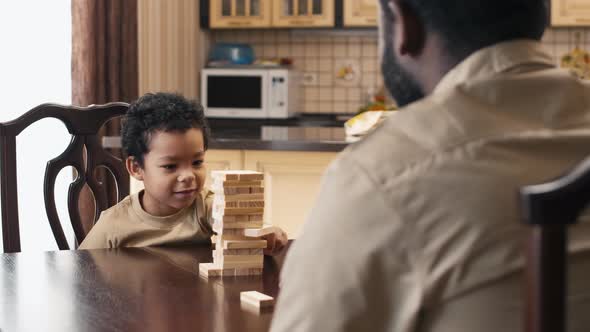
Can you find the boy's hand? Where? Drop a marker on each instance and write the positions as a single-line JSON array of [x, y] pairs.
[[276, 242]]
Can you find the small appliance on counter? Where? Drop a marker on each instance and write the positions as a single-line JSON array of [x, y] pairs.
[[250, 92]]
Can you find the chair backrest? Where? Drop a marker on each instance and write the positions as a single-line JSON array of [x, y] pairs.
[[549, 208], [84, 154]]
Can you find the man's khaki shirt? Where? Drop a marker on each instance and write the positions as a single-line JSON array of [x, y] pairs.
[[417, 227]]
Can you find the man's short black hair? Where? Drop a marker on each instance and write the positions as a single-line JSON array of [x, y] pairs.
[[468, 25], [159, 112]]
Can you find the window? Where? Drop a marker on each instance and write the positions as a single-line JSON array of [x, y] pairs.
[[35, 67]]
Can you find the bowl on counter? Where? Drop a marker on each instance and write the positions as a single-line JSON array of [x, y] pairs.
[[232, 54]]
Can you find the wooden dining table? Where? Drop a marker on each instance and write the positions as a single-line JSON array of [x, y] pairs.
[[128, 289]]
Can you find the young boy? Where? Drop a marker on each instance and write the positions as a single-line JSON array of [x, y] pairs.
[[164, 138]]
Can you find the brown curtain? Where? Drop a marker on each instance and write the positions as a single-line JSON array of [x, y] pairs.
[[104, 66]]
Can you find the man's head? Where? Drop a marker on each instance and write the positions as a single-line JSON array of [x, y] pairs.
[[165, 138], [421, 40]]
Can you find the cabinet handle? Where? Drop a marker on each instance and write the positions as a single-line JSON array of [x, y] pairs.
[[371, 20]]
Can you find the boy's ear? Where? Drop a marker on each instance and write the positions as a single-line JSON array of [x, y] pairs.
[[134, 168]]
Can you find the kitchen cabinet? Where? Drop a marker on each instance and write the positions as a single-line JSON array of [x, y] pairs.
[[240, 13], [303, 13], [360, 13], [570, 13], [292, 182]]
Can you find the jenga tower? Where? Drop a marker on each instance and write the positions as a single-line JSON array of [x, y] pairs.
[[238, 207]]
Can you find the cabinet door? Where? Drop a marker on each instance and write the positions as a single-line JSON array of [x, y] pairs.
[[360, 13], [303, 13], [292, 181], [236, 14]]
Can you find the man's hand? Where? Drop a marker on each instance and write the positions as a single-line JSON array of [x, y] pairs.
[[276, 242]]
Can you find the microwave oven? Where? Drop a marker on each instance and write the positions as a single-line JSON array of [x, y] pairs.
[[252, 92]]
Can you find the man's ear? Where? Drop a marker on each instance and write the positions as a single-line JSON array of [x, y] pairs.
[[410, 32], [134, 168]]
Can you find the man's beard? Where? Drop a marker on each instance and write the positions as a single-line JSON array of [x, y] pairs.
[[401, 85]]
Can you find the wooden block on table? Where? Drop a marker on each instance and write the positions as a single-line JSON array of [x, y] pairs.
[[242, 261], [240, 265], [248, 272], [257, 299], [235, 175], [211, 270], [244, 244]]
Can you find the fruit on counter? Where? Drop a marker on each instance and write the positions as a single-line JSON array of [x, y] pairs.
[[364, 122], [377, 106]]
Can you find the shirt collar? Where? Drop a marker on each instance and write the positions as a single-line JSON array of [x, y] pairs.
[[495, 59]]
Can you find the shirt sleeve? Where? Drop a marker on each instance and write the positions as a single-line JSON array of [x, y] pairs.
[[349, 271]]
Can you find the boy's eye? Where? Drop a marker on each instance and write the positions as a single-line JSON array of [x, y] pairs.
[[169, 166], [197, 162]]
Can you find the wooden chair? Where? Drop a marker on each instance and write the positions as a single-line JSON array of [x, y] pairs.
[[550, 208], [83, 124]]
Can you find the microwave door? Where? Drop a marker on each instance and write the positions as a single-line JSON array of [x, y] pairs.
[[236, 95]]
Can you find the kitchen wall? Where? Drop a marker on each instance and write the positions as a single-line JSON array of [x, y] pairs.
[[342, 67]]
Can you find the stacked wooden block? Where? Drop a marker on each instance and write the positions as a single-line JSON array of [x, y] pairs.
[[237, 212]]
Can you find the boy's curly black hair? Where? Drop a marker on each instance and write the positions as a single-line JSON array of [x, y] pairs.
[[159, 112]]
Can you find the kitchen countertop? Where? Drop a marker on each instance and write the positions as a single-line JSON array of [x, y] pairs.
[[279, 138]]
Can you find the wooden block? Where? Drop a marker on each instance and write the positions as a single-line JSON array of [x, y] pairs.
[[231, 184], [235, 175], [225, 261], [244, 244], [237, 258], [240, 265], [239, 197], [256, 190], [248, 272], [221, 211], [230, 231], [224, 218], [257, 299], [236, 190], [237, 204], [242, 251], [255, 217], [212, 270], [219, 225], [258, 232]]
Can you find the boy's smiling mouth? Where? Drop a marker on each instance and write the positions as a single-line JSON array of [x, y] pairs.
[[185, 192]]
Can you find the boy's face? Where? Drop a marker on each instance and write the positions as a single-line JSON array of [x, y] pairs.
[[173, 171]]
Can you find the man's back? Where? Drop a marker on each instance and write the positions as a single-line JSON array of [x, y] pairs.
[[425, 209]]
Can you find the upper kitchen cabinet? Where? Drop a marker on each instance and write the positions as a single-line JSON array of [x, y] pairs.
[[360, 13], [303, 13], [232, 14]]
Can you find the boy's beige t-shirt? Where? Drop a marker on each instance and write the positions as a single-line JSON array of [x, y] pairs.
[[128, 225]]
